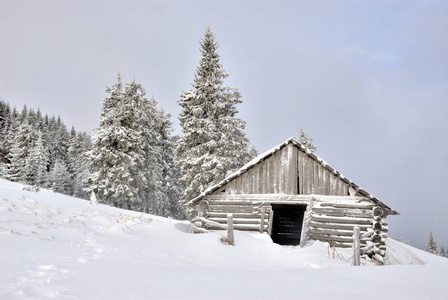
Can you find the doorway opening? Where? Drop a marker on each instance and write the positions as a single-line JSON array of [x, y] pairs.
[[287, 224]]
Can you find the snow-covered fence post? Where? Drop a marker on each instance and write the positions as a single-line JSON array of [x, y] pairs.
[[271, 218], [356, 246], [263, 212], [230, 238], [93, 200]]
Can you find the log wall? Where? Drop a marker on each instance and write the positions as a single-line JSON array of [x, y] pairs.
[[328, 218]]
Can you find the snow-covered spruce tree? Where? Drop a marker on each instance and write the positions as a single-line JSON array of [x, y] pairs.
[[212, 142], [118, 147], [306, 141], [58, 142], [151, 196], [105, 145], [170, 189], [36, 163], [5, 122], [431, 247], [59, 178], [79, 163], [24, 141]]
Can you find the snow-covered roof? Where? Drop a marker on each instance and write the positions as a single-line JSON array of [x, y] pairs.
[[310, 154]]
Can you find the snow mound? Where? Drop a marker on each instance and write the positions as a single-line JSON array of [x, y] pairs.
[[398, 254]]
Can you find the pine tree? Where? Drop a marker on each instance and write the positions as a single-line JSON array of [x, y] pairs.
[[23, 114], [10, 135], [79, 163], [170, 189], [36, 163], [22, 144], [104, 145], [56, 141], [306, 141], [5, 122], [152, 197], [60, 178], [431, 247], [118, 148], [61, 140], [212, 142]]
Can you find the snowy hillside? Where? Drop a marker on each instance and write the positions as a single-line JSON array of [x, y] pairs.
[[54, 246]]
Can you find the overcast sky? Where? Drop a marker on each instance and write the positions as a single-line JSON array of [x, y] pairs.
[[366, 79]]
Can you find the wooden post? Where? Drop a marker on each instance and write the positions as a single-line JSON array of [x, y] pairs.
[[271, 218], [263, 212], [356, 246], [230, 238]]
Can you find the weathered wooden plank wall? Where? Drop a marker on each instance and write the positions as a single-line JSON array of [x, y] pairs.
[[288, 171], [314, 178]]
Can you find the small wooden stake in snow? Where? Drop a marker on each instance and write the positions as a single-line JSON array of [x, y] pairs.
[[356, 246], [93, 198], [230, 238], [263, 212]]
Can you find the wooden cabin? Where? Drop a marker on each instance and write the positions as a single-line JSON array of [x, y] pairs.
[[295, 196]]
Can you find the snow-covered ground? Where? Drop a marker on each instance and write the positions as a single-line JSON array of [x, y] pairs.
[[54, 246]]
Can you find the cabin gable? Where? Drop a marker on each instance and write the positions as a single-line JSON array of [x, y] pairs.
[[290, 171]]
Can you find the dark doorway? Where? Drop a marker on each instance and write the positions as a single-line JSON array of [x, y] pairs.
[[287, 224]]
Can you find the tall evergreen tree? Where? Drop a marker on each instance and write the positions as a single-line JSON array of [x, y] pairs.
[[79, 163], [36, 163], [151, 196], [170, 173], [60, 178], [105, 144], [10, 136], [5, 121], [212, 142], [22, 144], [118, 147]]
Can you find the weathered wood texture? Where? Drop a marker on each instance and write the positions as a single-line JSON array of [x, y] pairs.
[[328, 218], [314, 178], [247, 214], [356, 246], [288, 171], [333, 221]]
